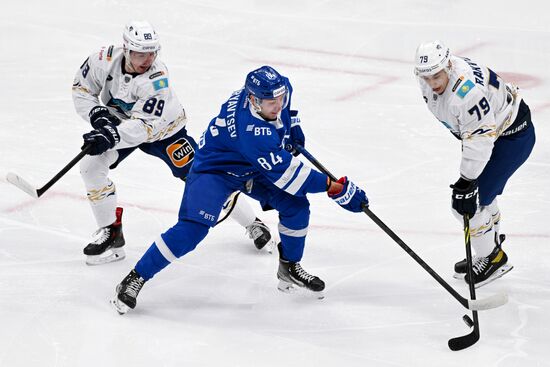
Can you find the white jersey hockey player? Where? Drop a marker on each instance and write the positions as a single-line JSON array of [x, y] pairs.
[[494, 125], [126, 95]]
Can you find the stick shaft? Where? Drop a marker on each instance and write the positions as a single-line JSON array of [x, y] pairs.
[[392, 234], [63, 171]]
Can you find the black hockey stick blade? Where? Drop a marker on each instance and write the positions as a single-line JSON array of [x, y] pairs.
[[23, 185], [466, 341]]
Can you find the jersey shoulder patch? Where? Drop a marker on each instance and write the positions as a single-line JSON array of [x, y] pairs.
[[106, 53], [157, 75], [160, 84], [466, 87]]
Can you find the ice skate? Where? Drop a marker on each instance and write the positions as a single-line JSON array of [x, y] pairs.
[[490, 268], [461, 266], [261, 236], [292, 277], [127, 292], [107, 245]]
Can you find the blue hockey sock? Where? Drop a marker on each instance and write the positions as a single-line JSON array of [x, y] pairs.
[[174, 243]]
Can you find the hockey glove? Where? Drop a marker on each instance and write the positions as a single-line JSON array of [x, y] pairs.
[[350, 197], [297, 136], [101, 139], [464, 196], [100, 116]]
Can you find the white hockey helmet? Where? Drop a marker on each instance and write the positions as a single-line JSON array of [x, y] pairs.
[[140, 36], [431, 58]]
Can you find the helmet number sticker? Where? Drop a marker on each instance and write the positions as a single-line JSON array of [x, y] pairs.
[[423, 59], [147, 36]]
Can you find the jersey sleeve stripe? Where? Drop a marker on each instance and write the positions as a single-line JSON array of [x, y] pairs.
[[299, 180], [289, 173]]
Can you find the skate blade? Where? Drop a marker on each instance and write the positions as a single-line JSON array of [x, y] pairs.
[[497, 274], [109, 256], [270, 246], [291, 288], [119, 306]]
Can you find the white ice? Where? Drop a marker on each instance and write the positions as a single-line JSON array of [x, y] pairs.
[[351, 66]]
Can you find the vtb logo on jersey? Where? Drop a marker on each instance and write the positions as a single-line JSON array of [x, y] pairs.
[[180, 152]]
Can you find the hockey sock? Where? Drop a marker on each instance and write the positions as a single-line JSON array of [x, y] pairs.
[[243, 212], [174, 243]]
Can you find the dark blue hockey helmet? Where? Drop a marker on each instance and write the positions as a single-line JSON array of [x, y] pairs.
[[265, 83]]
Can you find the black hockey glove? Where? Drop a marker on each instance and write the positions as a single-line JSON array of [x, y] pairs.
[[101, 139], [465, 196], [100, 116], [297, 136]]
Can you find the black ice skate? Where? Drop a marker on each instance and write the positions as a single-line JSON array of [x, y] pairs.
[[127, 292], [487, 269], [261, 236], [291, 275], [461, 266], [107, 244]]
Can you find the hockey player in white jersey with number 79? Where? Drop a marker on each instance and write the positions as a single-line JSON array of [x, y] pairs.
[[494, 125], [126, 95]]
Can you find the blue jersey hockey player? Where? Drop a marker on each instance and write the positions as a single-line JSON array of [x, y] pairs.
[[246, 147]]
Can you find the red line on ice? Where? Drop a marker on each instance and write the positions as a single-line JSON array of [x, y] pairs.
[[53, 195]]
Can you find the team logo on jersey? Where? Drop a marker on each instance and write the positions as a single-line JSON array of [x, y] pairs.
[[465, 89], [181, 152], [161, 83], [120, 105]]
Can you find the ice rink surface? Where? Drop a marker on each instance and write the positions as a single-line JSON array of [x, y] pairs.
[[350, 63]]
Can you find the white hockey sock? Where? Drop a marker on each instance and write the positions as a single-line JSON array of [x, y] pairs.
[[483, 227], [243, 212], [483, 244], [100, 189], [103, 205]]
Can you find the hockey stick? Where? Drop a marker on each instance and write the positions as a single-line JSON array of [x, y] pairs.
[[465, 341], [493, 301], [22, 184]]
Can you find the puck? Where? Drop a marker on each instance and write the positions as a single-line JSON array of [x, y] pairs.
[[467, 320]]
